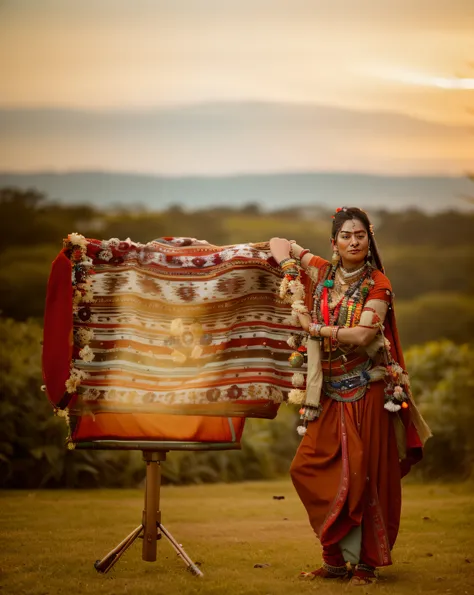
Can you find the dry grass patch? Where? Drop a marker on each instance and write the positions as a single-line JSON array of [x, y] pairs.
[[51, 539]]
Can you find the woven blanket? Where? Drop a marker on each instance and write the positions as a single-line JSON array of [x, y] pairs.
[[176, 326]]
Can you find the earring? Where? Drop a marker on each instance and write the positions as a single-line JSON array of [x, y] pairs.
[[369, 253], [336, 257]]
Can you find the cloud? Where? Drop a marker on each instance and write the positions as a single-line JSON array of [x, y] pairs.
[[117, 53], [449, 13], [220, 138], [262, 85]]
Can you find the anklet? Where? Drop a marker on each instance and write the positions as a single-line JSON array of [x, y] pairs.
[[336, 570]]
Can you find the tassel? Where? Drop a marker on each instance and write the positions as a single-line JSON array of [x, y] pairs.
[[301, 430], [293, 342], [297, 379], [296, 396], [391, 406]]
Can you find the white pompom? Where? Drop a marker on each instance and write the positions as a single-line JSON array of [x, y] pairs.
[[301, 430], [297, 379], [296, 396], [393, 407], [292, 342]]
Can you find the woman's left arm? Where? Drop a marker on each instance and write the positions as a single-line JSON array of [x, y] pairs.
[[362, 335]]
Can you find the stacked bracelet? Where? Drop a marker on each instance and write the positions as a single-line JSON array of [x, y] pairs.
[[315, 329], [289, 267], [287, 261], [298, 258], [334, 341]]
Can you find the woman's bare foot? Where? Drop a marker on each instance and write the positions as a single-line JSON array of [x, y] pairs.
[[327, 572], [363, 575]]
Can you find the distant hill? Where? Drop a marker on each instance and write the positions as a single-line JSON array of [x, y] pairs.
[[269, 191]]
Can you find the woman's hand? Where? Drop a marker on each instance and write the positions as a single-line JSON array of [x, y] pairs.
[[280, 248]]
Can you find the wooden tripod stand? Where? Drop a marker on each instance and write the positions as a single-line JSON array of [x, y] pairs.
[[150, 528]]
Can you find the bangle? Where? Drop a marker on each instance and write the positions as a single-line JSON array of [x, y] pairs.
[[337, 331], [287, 261], [318, 329], [333, 337], [303, 253], [315, 330], [298, 258]]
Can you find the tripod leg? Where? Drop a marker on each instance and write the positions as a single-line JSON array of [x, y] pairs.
[[186, 559], [113, 556]]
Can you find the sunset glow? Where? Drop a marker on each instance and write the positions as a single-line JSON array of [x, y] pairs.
[[394, 62]]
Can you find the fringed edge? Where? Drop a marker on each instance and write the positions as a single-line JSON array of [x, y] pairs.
[[82, 294], [77, 245]]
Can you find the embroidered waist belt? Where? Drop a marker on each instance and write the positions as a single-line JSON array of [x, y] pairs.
[[352, 386]]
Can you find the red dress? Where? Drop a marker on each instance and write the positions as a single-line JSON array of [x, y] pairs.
[[347, 470]]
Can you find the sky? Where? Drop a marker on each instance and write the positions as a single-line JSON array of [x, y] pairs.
[[212, 87]]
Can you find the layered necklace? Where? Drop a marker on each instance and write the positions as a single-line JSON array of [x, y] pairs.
[[340, 297]]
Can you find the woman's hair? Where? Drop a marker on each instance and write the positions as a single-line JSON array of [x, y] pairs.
[[349, 213]]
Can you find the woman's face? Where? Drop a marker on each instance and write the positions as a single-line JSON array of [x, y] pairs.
[[352, 242]]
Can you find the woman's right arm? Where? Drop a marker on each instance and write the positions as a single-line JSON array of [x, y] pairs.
[[282, 248]]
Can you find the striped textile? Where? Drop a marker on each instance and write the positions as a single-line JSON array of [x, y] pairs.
[[177, 326]]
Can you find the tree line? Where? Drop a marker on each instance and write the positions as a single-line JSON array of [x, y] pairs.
[[427, 257]]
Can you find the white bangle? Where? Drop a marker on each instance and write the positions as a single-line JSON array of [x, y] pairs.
[[315, 329]]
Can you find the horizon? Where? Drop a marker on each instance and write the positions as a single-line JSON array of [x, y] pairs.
[[270, 191], [237, 174]]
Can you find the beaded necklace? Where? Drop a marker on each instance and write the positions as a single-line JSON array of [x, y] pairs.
[[348, 310]]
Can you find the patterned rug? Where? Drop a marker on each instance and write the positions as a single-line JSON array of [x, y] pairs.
[[176, 326]]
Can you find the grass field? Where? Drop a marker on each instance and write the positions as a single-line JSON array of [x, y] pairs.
[[50, 539]]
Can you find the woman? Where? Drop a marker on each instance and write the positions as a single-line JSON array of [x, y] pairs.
[[365, 432]]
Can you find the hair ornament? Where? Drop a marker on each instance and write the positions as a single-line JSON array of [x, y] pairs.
[[338, 210]]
